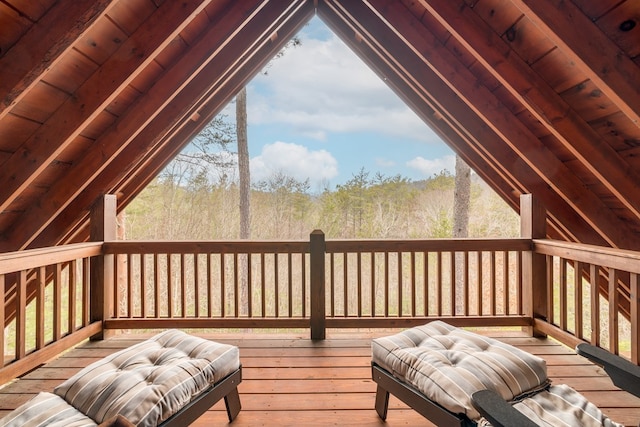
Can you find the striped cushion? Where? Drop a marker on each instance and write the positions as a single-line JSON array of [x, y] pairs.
[[563, 406], [448, 365], [150, 381], [46, 409]]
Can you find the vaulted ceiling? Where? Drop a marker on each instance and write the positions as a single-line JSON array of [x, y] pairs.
[[538, 96]]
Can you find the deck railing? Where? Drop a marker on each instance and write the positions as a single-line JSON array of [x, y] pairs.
[[56, 297], [593, 295], [271, 284], [45, 307]]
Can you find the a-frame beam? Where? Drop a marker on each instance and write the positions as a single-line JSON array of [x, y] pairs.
[[54, 136], [22, 65], [542, 102], [485, 141], [590, 49], [463, 131], [130, 186], [147, 119], [515, 135], [277, 19]]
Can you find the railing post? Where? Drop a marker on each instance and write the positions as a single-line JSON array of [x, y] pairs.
[[533, 225], [103, 229], [316, 270]]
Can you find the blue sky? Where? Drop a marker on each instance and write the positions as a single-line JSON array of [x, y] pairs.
[[320, 113]]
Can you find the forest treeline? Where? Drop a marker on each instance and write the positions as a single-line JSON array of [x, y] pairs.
[[192, 203]]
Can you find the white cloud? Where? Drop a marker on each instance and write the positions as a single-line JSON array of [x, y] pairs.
[[429, 167], [322, 87], [295, 161]]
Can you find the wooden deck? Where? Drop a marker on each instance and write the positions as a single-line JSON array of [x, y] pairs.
[[289, 380]]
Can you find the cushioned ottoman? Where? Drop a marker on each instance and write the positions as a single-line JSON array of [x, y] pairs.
[[147, 383], [436, 368]]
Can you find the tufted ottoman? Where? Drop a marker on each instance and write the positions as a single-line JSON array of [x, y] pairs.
[[148, 383], [436, 368]]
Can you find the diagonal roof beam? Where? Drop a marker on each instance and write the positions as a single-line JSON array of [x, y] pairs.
[[156, 160], [23, 65], [539, 98], [54, 136], [408, 74], [590, 49], [171, 114], [501, 120]]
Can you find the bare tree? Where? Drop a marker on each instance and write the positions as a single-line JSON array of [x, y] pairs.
[[461, 199]]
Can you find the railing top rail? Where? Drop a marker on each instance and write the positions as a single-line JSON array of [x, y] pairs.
[[619, 259], [429, 245], [205, 247], [23, 260], [300, 246]]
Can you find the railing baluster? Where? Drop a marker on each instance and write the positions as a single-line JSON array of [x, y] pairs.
[[550, 290], [413, 282], [40, 307], [563, 293], [480, 296], [183, 287], [465, 282], [21, 315], [196, 285], [86, 285], [425, 284], [400, 283], [156, 291], [263, 286], [595, 304], [359, 282], [236, 286], [613, 311], [386, 284], [505, 283], [452, 283], [372, 255], [345, 281], [57, 302], [492, 275], [634, 294], [577, 298], [2, 320], [143, 285], [438, 288], [519, 309], [71, 320], [129, 282], [223, 291]]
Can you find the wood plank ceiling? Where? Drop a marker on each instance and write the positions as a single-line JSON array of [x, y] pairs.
[[538, 97]]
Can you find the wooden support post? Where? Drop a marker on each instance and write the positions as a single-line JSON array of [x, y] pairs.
[[103, 229], [533, 225], [316, 270], [634, 285]]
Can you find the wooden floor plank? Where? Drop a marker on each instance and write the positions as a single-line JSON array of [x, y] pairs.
[[290, 380]]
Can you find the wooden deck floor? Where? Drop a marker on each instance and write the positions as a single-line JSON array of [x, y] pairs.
[[289, 380]]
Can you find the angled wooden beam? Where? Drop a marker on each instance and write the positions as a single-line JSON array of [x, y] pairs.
[[590, 49], [501, 120], [580, 139], [147, 169], [22, 66], [424, 90], [172, 113], [54, 136]]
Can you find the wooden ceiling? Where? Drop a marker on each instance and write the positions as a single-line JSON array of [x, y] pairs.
[[538, 97]]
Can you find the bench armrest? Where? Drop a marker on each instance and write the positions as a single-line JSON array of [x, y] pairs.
[[623, 373], [499, 413]]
